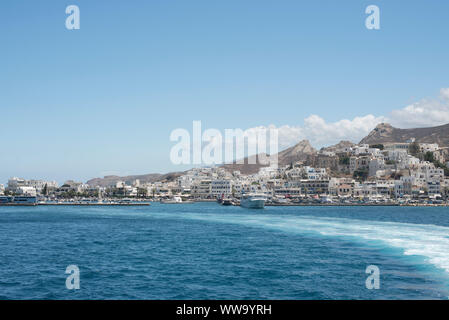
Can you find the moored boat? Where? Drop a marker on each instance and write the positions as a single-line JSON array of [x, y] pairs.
[[227, 202], [253, 201], [18, 201], [175, 200]]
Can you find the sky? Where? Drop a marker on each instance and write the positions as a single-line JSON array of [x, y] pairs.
[[101, 100]]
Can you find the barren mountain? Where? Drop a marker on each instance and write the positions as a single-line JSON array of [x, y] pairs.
[[384, 133], [298, 152], [303, 151]]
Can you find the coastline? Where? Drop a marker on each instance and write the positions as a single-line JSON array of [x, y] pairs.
[[146, 204]]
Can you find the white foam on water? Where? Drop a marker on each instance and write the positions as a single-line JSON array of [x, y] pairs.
[[428, 241]]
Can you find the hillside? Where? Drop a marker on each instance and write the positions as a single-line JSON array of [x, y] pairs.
[[384, 133], [341, 145], [303, 151], [298, 152]]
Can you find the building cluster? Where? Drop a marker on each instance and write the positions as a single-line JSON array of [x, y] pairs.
[[389, 171], [19, 186]]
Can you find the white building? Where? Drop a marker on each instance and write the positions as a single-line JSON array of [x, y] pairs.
[[40, 184], [428, 147], [26, 191], [221, 187], [308, 173], [375, 165], [201, 189], [315, 173], [14, 184], [120, 184], [71, 185], [397, 146], [411, 161]]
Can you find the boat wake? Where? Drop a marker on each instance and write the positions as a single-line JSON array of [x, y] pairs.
[[428, 241]]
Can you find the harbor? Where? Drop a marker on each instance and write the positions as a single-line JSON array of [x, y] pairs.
[[30, 201], [95, 204], [250, 201]]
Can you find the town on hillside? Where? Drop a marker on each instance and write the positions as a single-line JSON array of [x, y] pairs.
[[347, 174]]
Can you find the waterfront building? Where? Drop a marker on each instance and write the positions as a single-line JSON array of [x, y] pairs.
[[39, 185], [345, 190], [312, 187], [367, 189], [385, 188], [284, 191], [221, 187], [14, 185], [26, 191], [341, 186], [71, 185], [201, 189]]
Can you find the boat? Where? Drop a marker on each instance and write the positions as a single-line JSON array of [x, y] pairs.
[[253, 201], [227, 202], [18, 201], [278, 200], [175, 200]]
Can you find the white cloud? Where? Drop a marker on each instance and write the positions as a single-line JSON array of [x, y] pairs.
[[424, 113], [321, 133], [444, 93]]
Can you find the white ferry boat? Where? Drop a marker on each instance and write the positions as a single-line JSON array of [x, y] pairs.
[[18, 201], [175, 200], [253, 201]]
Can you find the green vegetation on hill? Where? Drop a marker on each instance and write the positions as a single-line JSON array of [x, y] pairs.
[[361, 175], [378, 146], [428, 156]]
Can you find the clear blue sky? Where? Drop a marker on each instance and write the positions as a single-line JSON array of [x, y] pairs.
[[104, 99]]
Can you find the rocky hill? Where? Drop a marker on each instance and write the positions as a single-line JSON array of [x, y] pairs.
[[384, 133], [298, 152], [303, 151]]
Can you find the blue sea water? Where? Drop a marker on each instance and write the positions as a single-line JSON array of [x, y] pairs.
[[208, 251]]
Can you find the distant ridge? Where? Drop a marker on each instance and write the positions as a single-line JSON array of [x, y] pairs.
[[384, 133], [145, 178]]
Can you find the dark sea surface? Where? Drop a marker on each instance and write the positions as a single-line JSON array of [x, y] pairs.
[[208, 251]]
